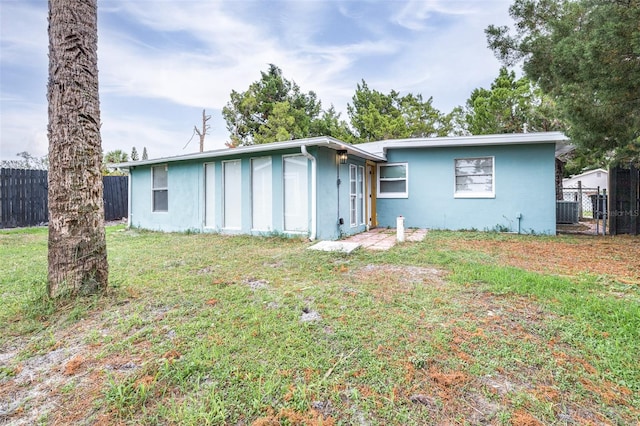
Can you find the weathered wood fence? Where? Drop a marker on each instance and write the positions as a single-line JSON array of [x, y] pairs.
[[23, 197], [115, 196]]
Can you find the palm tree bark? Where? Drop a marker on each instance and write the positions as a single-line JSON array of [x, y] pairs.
[[77, 244]]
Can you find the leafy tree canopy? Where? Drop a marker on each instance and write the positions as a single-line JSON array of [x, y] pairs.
[[509, 106], [116, 156], [586, 55], [26, 161], [375, 116], [330, 124], [275, 109]]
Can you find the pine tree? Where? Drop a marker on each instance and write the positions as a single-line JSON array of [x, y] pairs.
[[144, 153], [134, 154], [585, 55]]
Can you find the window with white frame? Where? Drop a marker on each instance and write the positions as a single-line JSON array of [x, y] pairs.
[[353, 195], [159, 188], [296, 198], [209, 195], [261, 194], [360, 179], [356, 195], [232, 187], [474, 177], [393, 180]]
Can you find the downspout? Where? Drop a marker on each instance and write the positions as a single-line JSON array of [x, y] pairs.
[[303, 150], [129, 206]]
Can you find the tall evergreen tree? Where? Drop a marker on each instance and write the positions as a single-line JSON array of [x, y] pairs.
[[134, 154], [375, 116], [272, 109], [330, 124], [511, 105], [586, 55]]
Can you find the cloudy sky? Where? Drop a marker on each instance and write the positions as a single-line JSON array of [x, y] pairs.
[[162, 61]]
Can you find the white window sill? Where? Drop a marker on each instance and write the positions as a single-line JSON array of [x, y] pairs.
[[394, 195], [476, 195]]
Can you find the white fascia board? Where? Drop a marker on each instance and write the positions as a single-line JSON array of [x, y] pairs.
[[380, 147], [587, 173], [233, 152], [499, 139]]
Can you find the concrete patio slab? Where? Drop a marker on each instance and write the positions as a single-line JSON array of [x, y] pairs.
[[385, 238], [342, 246]]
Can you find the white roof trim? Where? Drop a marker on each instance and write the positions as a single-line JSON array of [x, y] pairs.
[[381, 147], [588, 172], [234, 152], [375, 151]]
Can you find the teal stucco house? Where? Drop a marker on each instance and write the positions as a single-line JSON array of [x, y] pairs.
[[322, 188]]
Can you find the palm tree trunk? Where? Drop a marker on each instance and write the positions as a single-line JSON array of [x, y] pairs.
[[77, 245]]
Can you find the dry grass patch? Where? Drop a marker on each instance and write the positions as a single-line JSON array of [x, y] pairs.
[[618, 256]]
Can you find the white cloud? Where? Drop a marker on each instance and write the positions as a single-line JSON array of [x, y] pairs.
[[160, 62], [24, 128], [126, 131], [450, 62], [232, 55], [23, 32], [416, 14]]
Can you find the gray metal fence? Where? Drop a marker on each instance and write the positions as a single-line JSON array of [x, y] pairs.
[[23, 197], [582, 196]]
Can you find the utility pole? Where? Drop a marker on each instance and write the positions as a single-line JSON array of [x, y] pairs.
[[202, 132]]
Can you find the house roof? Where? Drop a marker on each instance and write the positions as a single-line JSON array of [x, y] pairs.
[[561, 141], [587, 173], [375, 151], [328, 142]]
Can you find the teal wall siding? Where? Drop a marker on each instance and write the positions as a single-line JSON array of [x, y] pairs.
[[185, 185], [333, 199], [524, 183], [186, 194], [327, 205]]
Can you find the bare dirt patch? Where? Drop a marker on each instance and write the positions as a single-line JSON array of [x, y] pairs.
[[617, 256], [61, 383], [522, 418], [398, 279]]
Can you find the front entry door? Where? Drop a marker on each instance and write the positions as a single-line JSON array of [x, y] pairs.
[[371, 202]]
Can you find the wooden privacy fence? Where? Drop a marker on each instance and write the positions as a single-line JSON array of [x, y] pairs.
[[115, 196], [23, 197], [624, 205]]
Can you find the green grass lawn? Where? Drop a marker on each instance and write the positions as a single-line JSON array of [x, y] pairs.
[[209, 329]]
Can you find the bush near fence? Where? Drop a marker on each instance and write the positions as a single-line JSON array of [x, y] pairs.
[[23, 197]]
